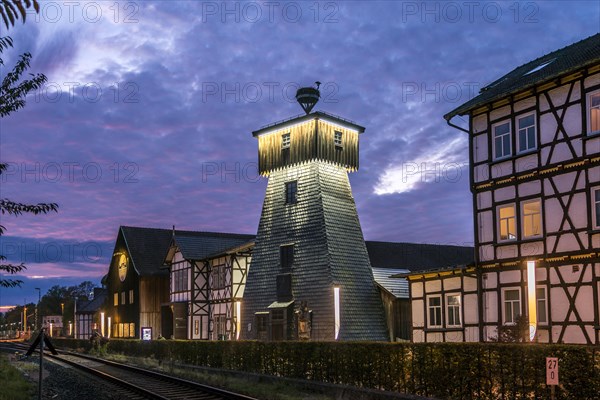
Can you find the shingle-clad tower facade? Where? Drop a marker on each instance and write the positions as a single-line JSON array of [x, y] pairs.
[[310, 276]]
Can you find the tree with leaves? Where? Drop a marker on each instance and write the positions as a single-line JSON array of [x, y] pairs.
[[13, 92]]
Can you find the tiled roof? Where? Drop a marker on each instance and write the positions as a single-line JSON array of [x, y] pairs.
[[550, 66], [91, 306], [416, 256], [148, 246], [396, 286], [201, 245]]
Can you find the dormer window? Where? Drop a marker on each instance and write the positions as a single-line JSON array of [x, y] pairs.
[[285, 141], [337, 138]]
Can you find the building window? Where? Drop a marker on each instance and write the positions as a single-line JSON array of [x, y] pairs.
[[526, 136], [507, 222], [453, 310], [501, 140], [221, 326], [337, 138], [532, 218], [286, 255], [180, 280], [291, 191], [594, 114], [116, 299], [596, 208], [130, 296], [218, 276], [512, 305], [434, 304], [285, 141], [123, 298], [542, 309]]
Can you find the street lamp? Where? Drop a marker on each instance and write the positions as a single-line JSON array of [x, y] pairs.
[[38, 322]]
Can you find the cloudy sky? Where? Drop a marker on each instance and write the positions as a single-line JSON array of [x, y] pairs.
[[147, 114]]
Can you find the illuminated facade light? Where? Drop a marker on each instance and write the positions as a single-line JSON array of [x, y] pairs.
[[336, 310], [102, 323], [70, 328], [238, 319], [50, 329], [109, 325], [531, 299]]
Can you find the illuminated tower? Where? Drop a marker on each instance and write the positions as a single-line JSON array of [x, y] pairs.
[[310, 276]]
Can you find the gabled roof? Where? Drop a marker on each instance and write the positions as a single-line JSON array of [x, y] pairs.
[[200, 245], [91, 306], [395, 286], [147, 247], [416, 256], [548, 67], [307, 117]]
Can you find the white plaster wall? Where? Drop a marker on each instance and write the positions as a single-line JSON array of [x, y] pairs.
[[524, 104], [510, 276], [479, 123], [502, 169], [592, 80], [480, 173], [559, 94], [505, 193], [453, 283], [499, 112], [547, 128], [434, 337], [416, 289], [433, 286], [484, 199], [572, 121], [532, 248], [486, 252], [593, 146], [509, 251], [530, 188], [471, 306], [480, 148], [527, 163]]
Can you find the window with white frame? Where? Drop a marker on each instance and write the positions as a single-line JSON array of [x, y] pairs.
[[285, 140], [337, 138], [512, 305], [502, 145], [596, 208], [507, 222], [434, 304], [526, 132], [594, 112], [542, 309], [453, 310], [531, 216]]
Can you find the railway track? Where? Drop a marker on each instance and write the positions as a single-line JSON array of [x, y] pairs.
[[142, 383]]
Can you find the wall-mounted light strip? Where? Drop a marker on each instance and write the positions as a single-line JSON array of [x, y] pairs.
[[102, 323], [238, 319], [531, 299], [336, 310], [109, 326]]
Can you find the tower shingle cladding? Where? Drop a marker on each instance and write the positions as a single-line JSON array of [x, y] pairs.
[[329, 250]]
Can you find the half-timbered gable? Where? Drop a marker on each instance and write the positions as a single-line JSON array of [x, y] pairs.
[[534, 143], [197, 282], [89, 315]]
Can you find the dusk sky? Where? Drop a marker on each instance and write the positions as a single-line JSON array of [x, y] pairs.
[[147, 114]]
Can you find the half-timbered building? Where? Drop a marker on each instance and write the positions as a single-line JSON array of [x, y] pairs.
[[534, 152], [89, 316], [207, 278]]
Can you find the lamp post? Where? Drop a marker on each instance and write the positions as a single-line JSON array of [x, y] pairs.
[[38, 322]]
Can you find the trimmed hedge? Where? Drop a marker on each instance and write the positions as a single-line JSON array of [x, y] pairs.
[[443, 370]]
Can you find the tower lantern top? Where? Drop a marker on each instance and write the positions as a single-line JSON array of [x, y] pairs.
[[308, 97]]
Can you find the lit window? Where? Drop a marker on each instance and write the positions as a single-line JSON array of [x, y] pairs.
[[594, 115], [502, 140], [453, 310], [507, 223], [132, 330], [131, 296], [434, 303], [337, 138], [512, 305], [532, 218], [218, 276], [285, 141], [286, 254], [291, 189], [542, 310], [123, 298], [116, 299], [596, 208], [527, 139]]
